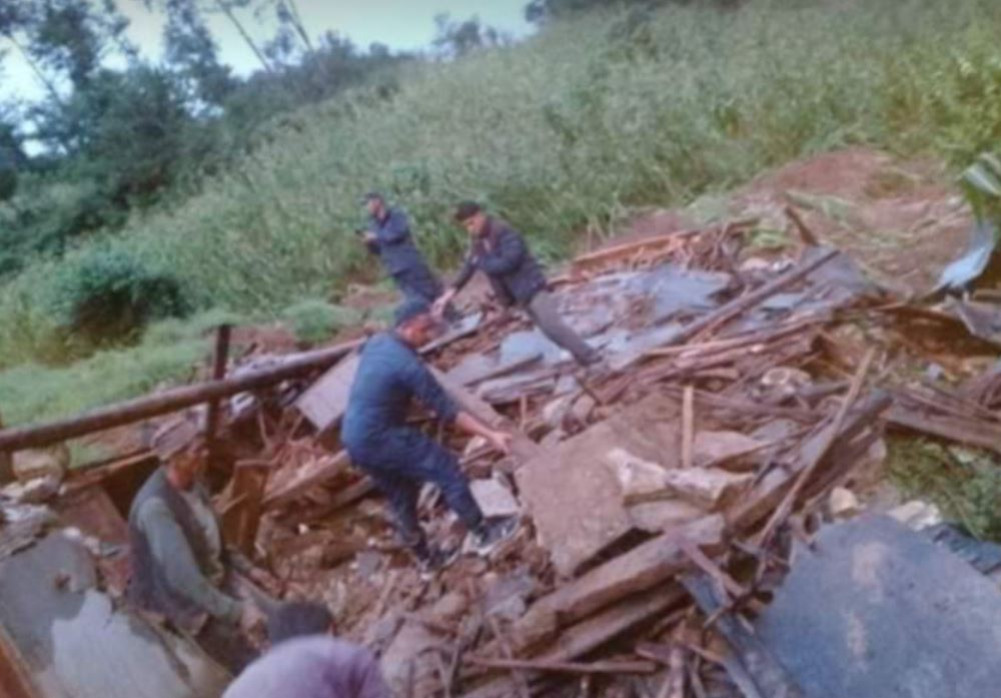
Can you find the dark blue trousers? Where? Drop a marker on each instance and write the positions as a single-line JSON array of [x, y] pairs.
[[400, 462], [418, 283]]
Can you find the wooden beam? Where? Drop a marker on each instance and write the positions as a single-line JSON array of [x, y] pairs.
[[606, 667], [767, 675], [314, 474], [639, 570], [45, 434]]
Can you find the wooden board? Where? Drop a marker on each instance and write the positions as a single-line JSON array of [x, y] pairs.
[[325, 402], [640, 569]]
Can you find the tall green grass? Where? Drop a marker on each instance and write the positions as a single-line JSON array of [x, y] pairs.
[[562, 134]]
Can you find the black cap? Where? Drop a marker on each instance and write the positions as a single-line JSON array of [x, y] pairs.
[[371, 196], [466, 210], [410, 309]]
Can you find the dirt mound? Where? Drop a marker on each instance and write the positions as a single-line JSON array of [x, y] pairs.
[[903, 219]]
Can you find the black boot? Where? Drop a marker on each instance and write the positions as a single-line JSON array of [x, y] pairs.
[[489, 534]]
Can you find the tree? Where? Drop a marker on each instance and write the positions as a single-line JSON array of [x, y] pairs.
[[538, 11], [12, 155], [456, 39], [228, 8], [192, 54], [17, 20], [73, 38]]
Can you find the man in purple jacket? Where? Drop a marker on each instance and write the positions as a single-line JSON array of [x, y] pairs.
[[306, 661]]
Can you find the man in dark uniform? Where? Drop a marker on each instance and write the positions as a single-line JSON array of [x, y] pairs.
[[178, 560], [389, 237], [400, 458], [500, 252]]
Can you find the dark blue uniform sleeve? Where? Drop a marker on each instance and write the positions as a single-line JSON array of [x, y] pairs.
[[428, 390], [507, 255], [467, 271], [395, 229]]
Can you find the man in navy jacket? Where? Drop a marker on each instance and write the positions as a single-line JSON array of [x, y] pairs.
[[400, 458], [500, 252], [389, 237]]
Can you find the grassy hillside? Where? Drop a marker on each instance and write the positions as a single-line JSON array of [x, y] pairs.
[[562, 134]]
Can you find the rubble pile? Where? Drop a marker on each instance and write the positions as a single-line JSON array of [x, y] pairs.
[[661, 496]]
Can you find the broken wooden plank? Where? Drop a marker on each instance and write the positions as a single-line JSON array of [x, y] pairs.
[[962, 430], [773, 486], [522, 447], [240, 523], [769, 678], [325, 402], [816, 457], [585, 637], [220, 359], [173, 400], [315, 473], [467, 326], [344, 498], [687, 425], [655, 245], [640, 569], [744, 303], [600, 667]]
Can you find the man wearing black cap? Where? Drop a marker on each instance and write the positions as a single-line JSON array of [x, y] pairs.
[[500, 252], [400, 458], [389, 236]]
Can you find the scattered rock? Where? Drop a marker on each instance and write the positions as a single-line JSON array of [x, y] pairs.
[[507, 597], [843, 504], [783, 382], [494, 498], [917, 514], [555, 411], [582, 409], [636, 476], [710, 488]]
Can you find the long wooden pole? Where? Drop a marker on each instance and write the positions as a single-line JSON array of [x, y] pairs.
[[33, 436]]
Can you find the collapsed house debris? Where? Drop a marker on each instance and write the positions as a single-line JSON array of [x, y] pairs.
[[661, 499]]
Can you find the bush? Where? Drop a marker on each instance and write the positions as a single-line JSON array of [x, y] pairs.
[[108, 297], [314, 321]]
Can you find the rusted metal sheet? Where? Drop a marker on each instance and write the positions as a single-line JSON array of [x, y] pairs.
[[70, 641]]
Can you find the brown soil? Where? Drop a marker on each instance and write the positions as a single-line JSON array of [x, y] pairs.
[[902, 219]]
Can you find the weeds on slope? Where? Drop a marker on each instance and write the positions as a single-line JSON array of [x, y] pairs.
[[562, 135]]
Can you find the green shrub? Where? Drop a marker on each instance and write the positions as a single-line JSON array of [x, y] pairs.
[[314, 321], [965, 483], [108, 297]]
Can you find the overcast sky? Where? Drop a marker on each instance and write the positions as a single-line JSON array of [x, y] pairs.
[[401, 24]]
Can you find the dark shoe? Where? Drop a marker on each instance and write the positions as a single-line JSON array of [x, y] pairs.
[[490, 534], [432, 559]]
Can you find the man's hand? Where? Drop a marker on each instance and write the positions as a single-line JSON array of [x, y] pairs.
[[251, 618], [438, 308], [500, 440], [368, 237]]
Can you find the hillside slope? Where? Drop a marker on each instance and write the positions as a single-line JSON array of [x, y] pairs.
[[562, 134]]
